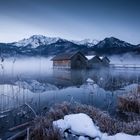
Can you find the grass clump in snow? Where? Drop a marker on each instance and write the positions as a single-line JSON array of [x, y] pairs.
[[130, 102], [43, 128]]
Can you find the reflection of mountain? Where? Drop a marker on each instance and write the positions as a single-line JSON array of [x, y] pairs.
[[46, 46]]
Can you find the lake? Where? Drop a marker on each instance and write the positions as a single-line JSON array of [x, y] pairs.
[[32, 82]]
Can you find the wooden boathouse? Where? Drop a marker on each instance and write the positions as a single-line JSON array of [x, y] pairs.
[[77, 60], [71, 60], [97, 61]]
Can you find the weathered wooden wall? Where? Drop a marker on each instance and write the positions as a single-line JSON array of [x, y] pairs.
[[78, 62], [62, 64]]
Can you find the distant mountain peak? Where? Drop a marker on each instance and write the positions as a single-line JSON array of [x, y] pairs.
[[113, 42], [36, 40], [87, 42]]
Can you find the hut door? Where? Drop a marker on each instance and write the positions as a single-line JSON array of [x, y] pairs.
[[78, 64]]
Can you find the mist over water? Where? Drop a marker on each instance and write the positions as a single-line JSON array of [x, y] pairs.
[[25, 67], [125, 59], [41, 68]]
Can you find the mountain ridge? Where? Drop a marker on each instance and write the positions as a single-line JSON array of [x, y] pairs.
[[46, 46]]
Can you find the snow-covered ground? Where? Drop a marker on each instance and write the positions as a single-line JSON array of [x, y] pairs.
[[35, 86], [82, 125], [131, 88]]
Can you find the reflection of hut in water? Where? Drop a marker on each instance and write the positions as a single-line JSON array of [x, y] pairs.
[[73, 60], [69, 77]]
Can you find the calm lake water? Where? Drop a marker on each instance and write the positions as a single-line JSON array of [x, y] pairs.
[[33, 82]]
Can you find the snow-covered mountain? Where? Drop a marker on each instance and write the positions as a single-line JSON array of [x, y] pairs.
[[39, 40], [114, 45], [87, 42], [36, 40], [113, 42], [48, 46]]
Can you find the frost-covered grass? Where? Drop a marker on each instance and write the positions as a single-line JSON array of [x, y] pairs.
[[130, 102], [43, 130], [101, 119]]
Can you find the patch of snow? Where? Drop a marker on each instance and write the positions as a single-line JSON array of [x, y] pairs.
[[81, 124], [131, 88], [120, 136], [90, 80], [101, 57], [83, 138], [62, 124], [36, 86], [89, 57]]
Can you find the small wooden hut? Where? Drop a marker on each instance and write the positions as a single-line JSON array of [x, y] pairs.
[[105, 61], [72, 60], [98, 62], [94, 62]]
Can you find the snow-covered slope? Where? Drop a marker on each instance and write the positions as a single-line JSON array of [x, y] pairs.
[[87, 42], [36, 40], [114, 42]]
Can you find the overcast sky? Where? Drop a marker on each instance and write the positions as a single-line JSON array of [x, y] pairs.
[[70, 19]]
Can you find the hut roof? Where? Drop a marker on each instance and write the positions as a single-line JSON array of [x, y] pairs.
[[100, 58], [96, 57], [66, 56], [90, 56], [106, 58]]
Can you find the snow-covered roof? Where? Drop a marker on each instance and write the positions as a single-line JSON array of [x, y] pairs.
[[101, 57], [90, 56]]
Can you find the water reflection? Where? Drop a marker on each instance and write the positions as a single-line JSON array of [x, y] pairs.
[[68, 82], [108, 79], [69, 77]]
